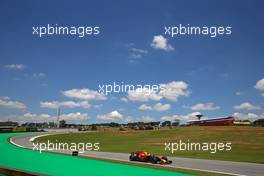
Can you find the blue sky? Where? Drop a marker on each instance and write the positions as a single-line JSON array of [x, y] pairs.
[[221, 73]]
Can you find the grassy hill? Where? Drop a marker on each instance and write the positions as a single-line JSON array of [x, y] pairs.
[[247, 142]]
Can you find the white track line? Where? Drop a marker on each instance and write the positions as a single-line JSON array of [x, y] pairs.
[[35, 137], [110, 158], [12, 142], [188, 168], [204, 170]]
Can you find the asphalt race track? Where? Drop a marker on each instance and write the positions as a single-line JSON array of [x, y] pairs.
[[228, 167], [56, 164]]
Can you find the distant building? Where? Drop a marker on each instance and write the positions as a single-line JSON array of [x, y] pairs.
[[173, 123], [224, 121], [242, 123], [9, 124], [259, 122]]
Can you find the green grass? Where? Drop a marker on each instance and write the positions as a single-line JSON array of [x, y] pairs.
[[247, 142], [58, 164]]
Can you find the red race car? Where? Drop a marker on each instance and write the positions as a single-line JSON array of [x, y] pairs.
[[142, 156]]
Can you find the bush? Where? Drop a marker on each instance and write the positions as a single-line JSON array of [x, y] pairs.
[[94, 128], [122, 129], [149, 127], [141, 127]]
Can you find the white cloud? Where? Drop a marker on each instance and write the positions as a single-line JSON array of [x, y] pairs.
[[187, 117], [69, 104], [98, 106], [123, 99], [260, 85], [161, 107], [139, 119], [15, 66], [76, 117], [50, 105], [29, 117], [137, 50], [159, 42], [144, 107], [239, 93], [248, 116], [205, 107], [136, 53], [171, 91], [111, 116], [247, 106], [156, 107], [8, 103], [4, 98], [85, 94], [146, 119], [134, 56], [169, 118], [143, 94], [128, 119], [38, 75]]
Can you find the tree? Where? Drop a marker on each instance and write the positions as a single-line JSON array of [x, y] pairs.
[[62, 123], [259, 122], [166, 124], [93, 128]]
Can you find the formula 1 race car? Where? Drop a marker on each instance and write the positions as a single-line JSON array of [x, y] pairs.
[[142, 156]]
